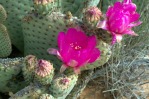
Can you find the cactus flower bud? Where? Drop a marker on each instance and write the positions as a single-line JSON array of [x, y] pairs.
[[92, 14], [43, 68], [43, 6], [44, 72], [91, 17]]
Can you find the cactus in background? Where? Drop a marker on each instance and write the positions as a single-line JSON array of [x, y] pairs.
[[5, 43], [3, 14], [16, 9]]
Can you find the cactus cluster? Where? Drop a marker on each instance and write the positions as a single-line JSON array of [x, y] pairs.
[[38, 79], [39, 26], [33, 26]]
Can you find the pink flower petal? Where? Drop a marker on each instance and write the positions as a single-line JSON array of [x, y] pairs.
[[52, 51], [134, 24], [127, 1], [60, 39], [74, 35], [129, 7], [134, 17], [91, 42], [72, 63], [95, 55], [102, 24], [131, 32]]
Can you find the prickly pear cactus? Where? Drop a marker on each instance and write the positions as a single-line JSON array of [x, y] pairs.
[[5, 43], [40, 33], [16, 9]]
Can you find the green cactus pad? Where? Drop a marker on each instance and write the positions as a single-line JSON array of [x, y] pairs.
[[16, 9], [40, 33], [9, 68], [62, 85], [3, 14], [5, 43]]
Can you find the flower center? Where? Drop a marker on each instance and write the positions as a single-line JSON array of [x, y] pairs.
[[75, 46]]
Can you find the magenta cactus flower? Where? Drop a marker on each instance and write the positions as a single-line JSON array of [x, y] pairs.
[[75, 49], [120, 18]]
